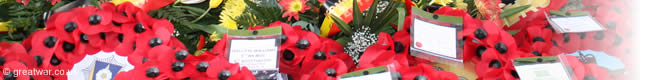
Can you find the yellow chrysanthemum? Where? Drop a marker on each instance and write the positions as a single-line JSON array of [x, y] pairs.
[[461, 4], [137, 3], [441, 2], [232, 10], [215, 3]]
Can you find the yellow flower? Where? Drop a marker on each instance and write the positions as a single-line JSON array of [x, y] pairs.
[[232, 10], [461, 4], [441, 2], [214, 37], [138, 3], [215, 3], [3, 26]]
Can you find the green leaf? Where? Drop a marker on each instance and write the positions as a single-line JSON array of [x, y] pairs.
[[372, 13], [345, 28], [211, 28], [513, 32], [95, 3], [20, 13], [344, 40], [401, 14], [512, 11], [192, 9], [356, 14]]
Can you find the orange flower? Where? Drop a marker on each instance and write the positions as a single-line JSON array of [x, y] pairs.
[[293, 7]]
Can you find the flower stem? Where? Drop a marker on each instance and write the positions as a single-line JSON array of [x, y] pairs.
[[202, 15]]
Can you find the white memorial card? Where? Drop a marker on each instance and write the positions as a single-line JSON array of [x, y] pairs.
[[544, 71], [434, 38], [575, 24], [375, 76], [256, 54]]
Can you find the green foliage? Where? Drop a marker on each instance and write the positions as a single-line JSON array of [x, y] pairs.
[[25, 19], [471, 8], [512, 11], [375, 20], [186, 31], [262, 13]]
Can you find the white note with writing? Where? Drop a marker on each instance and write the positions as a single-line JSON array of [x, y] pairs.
[[545, 71], [375, 76], [434, 38], [575, 24], [256, 54]]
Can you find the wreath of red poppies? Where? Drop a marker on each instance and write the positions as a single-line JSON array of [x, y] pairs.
[[149, 45]]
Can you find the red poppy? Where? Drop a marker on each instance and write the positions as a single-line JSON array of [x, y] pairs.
[[51, 61], [310, 50], [150, 70], [506, 46], [474, 50], [290, 62], [508, 73], [150, 40], [485, 32], [112, 40], [15, 52], [43, 41], [382, 53], [92, 20], [180, 68], [127, 46], [427, 71], [69, 52], [534, 34], [216, 69], [538, 49], [569, 42], [126, 13], [117, 18], [82, 41], [335, 49], [328, 70], [491, 63], [65, 26]]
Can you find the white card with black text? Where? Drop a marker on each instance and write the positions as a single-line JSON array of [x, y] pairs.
[[544, 71], [434, 38], [575, 24], [256, 54]]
